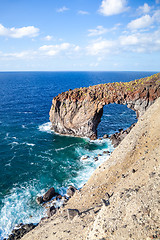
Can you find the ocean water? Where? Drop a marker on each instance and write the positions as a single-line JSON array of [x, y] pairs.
[[32, 157]]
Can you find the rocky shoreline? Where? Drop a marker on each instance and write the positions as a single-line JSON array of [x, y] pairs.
[[121, 198], [51, 197]]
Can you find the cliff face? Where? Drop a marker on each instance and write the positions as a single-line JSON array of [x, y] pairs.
[[129, 184], [79, 111]]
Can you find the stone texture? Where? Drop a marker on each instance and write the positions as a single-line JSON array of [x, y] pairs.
[[72, 213], [49, 194], [71, 191], [19, 232], [133, 196], [78, 112]]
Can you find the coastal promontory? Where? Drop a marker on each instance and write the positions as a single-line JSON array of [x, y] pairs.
[[78, 112], [121, 198]]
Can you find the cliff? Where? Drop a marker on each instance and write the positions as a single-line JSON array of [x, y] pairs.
[[78, 112], [121, 198]]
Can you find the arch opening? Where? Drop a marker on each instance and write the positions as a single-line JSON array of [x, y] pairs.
[[115, 117]]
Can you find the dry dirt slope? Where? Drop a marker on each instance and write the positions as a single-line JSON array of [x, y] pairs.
[[132, 175]]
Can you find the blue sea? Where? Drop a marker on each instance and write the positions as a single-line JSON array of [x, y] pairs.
[[32, 157]]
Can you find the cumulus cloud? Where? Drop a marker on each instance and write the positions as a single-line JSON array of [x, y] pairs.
[[13, 32], [52, 50], [142, 22], [48, 38], [100, 46], [62, 9], [113, 7], [98, 31], [141, 42], [83, 12], [144, 9]]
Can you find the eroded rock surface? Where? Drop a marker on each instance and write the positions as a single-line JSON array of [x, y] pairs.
[[121, 198], [78, 112]]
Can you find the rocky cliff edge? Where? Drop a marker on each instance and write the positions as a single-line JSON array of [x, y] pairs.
[[78, 112], [121, 200]]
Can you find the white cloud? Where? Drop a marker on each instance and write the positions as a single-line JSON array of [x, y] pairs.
[[113, 7], [23, 54], [48, 38], [129, 40], [83, 12], [62, 9], [157, 1], [156, 16], [13, 32], [98, 31], [144, 9], [52, 50], [100, 46], [141, 22], [141, 42]]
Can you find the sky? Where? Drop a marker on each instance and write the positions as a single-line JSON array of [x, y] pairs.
[[79, 35]]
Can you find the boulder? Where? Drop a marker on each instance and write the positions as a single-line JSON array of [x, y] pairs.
[[105, 136], [72, 213], [71, 191], [49, 194], [59, 196], [39, 200], [51, 211], [20, 232]]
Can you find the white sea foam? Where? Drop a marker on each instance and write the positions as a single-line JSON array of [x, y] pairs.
[[46, 127], [6, 137], [62, 148], [30, 144], [19, 206], [89, 164]]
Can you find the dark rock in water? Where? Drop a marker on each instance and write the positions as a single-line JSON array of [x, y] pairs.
[[120, 130], [59, 196], [49, 194], [84, 157], [71, 191], [116, 138], [96, 159], [20, 232], [105, 136], [72, 213], [51, 211], [99, 155], [39, 200]]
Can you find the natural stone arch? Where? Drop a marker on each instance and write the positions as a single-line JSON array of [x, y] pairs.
[[115, 118], [78, 112]]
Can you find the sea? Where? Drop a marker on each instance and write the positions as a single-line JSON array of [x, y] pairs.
[[32, 157]]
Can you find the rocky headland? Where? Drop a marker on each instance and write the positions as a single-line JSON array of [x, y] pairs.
[[78, 112], [121, 200]]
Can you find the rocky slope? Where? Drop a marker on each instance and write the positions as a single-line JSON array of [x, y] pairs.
[[121, 200], [78, 112]]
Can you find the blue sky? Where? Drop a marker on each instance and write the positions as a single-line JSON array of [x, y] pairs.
[[71, 35]]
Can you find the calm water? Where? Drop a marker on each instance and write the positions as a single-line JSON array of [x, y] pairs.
[[32, 158]]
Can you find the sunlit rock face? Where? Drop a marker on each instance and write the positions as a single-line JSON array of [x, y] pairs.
[[78, 112]]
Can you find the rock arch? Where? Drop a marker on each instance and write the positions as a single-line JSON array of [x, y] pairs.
[[78, 112]]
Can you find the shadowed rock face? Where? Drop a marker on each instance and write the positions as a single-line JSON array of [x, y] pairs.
[[78, 112]]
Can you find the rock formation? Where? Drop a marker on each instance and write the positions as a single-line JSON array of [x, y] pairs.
[[78, 112], [121, 198]]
